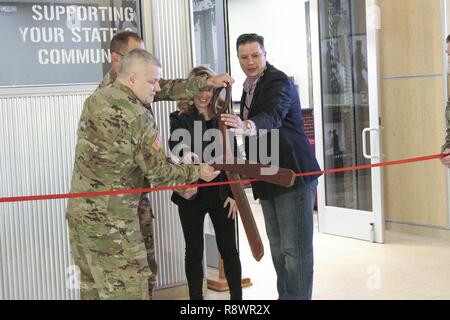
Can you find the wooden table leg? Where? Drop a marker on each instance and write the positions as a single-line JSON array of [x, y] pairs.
[[220, 284]]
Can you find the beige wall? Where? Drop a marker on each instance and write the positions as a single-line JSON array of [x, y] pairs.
[[412, 103]]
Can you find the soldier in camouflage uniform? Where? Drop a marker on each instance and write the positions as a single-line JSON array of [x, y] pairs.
[[118, 147], [176, 89], [446, 147]]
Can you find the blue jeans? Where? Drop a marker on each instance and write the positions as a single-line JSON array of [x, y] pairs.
[[289, 226]]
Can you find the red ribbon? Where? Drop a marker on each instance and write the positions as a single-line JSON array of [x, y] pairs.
[[120, 192]]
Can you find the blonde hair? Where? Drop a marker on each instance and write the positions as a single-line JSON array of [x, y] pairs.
[[187, 106]]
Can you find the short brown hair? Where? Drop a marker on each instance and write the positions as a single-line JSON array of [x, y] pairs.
[[119, 42], [250, 38]]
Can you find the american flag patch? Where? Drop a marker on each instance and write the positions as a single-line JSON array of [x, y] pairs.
[[157, 143]]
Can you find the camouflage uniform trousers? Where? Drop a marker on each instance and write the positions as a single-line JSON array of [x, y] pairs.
[[146, 222], [84, 248], [112, 265]]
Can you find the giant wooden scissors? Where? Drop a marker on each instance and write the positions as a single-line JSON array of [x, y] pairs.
[[229, 164]]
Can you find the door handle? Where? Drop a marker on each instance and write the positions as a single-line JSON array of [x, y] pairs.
[[364, 143]]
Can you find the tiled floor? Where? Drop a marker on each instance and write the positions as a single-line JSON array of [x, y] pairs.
[[407, 266]]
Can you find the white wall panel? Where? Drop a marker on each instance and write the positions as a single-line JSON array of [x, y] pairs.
[[172, 45], [37, 137]]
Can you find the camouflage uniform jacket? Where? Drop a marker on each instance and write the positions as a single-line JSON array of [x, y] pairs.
[[118, 147], [171, 90], [447, 118]]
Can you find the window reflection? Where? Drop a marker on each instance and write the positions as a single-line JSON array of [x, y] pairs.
[[345, 101], [209, 35]]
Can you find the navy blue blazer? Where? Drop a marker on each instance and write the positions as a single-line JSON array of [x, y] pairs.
[[276, 105]]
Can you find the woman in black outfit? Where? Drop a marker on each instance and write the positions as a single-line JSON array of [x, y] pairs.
[[194, 203]]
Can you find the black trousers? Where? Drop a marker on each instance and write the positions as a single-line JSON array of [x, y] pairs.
[[192, 214]]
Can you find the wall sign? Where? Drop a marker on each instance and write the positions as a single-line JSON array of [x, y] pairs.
[[50, 43]]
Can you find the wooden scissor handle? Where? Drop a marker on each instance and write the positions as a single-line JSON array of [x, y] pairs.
[[217, 109]]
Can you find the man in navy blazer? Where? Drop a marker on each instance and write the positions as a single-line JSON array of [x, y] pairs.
[[270, 118]]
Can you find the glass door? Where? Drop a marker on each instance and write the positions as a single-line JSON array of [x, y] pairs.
[[346, 112]]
